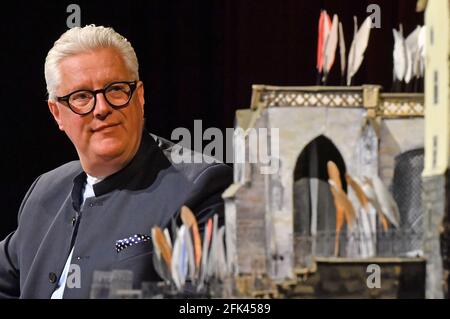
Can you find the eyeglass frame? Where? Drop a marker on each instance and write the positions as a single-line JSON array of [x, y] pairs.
[[65, 98]]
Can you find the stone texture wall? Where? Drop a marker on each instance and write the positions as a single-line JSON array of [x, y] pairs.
[[299, 126], [249, 234], [250, 221], [435, 203]]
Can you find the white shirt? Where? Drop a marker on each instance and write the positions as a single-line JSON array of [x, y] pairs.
[[88, 192]]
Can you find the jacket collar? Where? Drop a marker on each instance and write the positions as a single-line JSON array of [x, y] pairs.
[[140, 173]]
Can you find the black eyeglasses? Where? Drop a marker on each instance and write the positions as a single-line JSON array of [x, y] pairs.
[[117, 94]]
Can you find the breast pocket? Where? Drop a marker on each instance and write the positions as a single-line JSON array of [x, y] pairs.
[[136, 250], [139, 259]]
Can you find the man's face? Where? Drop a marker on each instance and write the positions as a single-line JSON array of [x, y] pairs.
[[105, 139]]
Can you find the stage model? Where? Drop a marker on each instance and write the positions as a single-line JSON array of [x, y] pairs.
[[339, 191]]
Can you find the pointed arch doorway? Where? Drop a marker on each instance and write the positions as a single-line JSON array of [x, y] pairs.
[[314, 210]]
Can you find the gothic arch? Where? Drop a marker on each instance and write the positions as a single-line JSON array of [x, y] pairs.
[[311, 181]]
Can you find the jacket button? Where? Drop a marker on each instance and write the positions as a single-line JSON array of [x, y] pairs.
[[52, 277], [91, 204], [74, 220]]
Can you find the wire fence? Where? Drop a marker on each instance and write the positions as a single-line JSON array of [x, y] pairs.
[[354, 244]]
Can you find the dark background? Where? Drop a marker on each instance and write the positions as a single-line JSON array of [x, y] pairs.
[[198, 60]]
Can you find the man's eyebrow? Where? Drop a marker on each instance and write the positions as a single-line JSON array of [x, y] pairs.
[[77, 88], [80, 87], [89, 88]]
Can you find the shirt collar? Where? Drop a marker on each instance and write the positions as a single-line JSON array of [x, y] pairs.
[[91, 180]]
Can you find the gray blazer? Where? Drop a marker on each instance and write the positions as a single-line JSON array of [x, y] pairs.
[[147, 192]]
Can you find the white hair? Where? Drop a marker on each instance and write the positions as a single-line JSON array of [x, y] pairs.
[[79, 40]]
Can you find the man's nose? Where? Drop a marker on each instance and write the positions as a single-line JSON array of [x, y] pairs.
[[102, 108]]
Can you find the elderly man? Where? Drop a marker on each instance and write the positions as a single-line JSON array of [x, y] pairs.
[[123, 184]]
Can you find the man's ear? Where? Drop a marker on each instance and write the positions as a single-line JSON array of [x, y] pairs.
[[55, 112], [140, 95]]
